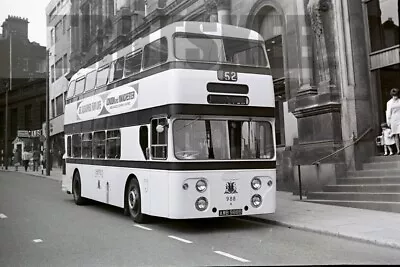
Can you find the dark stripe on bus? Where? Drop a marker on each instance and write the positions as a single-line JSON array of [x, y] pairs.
[[227, 88], [178, 166], [175, 65], [144, 116]]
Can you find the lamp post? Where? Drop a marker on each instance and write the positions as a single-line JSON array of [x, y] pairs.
[[47, 116], [6, 120]]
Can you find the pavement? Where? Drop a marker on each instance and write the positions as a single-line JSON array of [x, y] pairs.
[[376, 227]]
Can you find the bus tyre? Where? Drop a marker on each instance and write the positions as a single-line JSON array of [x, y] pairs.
[[76, 189], [134, 202]]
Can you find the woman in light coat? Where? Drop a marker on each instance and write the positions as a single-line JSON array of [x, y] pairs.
[[393, 116]]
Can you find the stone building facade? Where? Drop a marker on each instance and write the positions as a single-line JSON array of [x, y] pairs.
[[27, 92], [322, 66]]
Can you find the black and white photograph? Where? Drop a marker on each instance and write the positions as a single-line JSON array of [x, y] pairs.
[[199, 132]]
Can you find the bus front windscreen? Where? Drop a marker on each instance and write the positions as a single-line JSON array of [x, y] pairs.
[[220, 50], [223, 139]]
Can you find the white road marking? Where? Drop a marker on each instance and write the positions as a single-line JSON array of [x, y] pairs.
[[37, 240], [142, 227], [180, 239], [2, 216], [231, 256]]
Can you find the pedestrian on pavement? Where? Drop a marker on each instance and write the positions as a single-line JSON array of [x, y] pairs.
[[25, 159], [36, 158], [393, 116], [16, 159]]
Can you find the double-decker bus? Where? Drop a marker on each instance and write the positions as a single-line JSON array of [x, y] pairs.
[[179, 124]]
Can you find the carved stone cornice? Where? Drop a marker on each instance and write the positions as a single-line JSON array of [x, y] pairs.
[[311, 105], [317, 109]]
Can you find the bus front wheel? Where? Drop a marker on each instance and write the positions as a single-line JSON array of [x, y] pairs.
[[134, 202], [77, 189]]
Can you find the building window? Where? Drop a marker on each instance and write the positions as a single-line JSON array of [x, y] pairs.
[[52, 109], [64, 24], [52, 36], [383, 20], [52, 73], [25, 64], [65, 63], [59, 68], [28, 117], [58, 31], [59, 105]]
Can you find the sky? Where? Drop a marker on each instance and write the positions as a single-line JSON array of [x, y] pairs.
[[33, 10]]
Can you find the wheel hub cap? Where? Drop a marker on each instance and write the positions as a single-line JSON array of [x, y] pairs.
[[132, 199]]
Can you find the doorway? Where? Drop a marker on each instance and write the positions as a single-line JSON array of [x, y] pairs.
[[387, 78]]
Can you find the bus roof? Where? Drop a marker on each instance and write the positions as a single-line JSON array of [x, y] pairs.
[[194, 27]]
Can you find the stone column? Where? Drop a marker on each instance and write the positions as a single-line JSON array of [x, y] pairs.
[[318, 109], [306, 78], [224, 11]]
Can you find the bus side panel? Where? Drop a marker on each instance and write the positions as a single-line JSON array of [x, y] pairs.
[[130, 146], [88, 185], [117, 179], [66, 183], [159, 189]]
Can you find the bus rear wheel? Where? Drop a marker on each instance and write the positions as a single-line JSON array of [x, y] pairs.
[[77, 189], [135, 203]]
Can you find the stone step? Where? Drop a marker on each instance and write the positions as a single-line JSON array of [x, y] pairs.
[[368, 180], [375, 173], [388, 188], [382, 165], [384, 158], [372, 205], [355, 196]]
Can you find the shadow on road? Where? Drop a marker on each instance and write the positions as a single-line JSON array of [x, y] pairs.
[[206, 225]]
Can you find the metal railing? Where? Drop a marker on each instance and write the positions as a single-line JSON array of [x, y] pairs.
[[317, 162]]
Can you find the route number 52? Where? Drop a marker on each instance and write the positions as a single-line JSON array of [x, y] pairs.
[[227, 76]]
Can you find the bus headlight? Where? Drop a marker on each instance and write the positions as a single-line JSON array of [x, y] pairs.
[[201, 185], [201, 204], [256, 201], [256, 183]]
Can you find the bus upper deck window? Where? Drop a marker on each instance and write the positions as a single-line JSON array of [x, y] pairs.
[[117, 69], [71, 89], [133, 64], [90, 81], [102, 76], [155, 53]]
